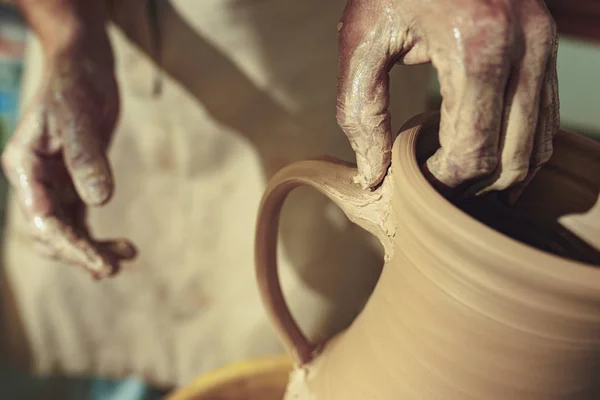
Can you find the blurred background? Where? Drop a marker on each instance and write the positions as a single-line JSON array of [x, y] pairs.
[[12, 46]]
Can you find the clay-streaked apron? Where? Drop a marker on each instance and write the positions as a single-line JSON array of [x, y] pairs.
[[249, 87]]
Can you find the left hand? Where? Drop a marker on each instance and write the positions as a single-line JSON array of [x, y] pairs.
[[57, 163]]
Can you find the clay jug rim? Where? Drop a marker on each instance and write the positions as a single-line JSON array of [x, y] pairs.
[[523, 257]]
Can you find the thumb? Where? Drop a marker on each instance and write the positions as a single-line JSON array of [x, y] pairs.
[[363, 94], [84, 157]]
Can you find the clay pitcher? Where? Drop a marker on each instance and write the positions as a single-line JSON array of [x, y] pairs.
[[476, 301]]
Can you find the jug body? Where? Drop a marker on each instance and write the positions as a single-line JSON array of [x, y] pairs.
[[460, 311]]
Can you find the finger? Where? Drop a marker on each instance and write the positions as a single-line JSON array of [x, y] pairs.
[[549, 120], [114, 251], [523, 104], [366, 55], [119, 249], [547, 125], [75, 122], [473, 75], [72, 247]]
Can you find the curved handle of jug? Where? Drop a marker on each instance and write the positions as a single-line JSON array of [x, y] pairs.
[[334, 179]]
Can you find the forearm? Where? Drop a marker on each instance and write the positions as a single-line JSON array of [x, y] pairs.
[[61, 23]]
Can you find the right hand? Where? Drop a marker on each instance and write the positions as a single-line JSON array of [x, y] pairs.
[[496, 61], [56, 161]]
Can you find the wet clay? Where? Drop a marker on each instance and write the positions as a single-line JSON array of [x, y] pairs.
[[522, 220], [478, 299]]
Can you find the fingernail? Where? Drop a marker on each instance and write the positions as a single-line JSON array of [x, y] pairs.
[[123, 249], [98, 190]]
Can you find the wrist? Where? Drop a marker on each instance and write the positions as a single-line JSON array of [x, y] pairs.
[[79, 40], [64, 25]]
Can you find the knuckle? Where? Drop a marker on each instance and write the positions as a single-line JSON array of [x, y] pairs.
[[487, 44], [548, 28], [347, 119], [542, 34], [540, 31], [82, 152], [80, 159], [542, 23], [9, 157], [6, 159]]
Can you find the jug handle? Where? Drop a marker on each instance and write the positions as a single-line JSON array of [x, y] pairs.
[[335, 179]]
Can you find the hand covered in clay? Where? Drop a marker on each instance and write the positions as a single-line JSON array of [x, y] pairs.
[[56, 160], [496, 63]]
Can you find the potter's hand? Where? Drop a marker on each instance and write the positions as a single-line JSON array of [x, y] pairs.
[[56, 161], [496, 62]]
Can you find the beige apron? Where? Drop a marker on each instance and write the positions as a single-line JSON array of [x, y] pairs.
[[249, 86]]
